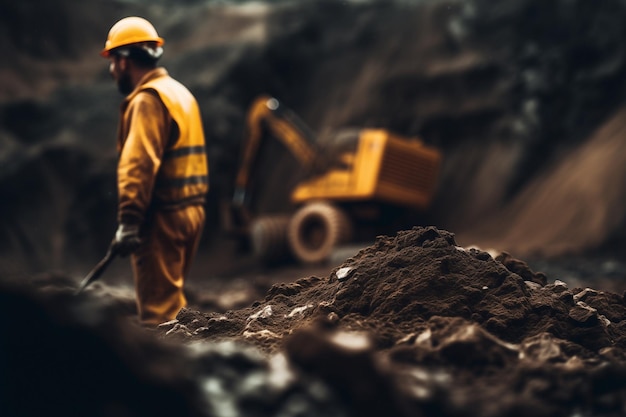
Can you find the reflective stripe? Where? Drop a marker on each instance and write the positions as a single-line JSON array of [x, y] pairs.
[[182, 182], [197, 199], [184, 166], [186, 151]]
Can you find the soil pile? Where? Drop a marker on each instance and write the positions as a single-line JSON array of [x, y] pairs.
[[413, 325], [502, 339]]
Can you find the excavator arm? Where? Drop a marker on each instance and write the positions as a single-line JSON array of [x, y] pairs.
[[267, 118]]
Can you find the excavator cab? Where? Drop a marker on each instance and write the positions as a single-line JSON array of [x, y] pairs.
[[335, 185]]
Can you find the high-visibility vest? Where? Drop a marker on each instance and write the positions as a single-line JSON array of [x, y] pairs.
[[184, 173]]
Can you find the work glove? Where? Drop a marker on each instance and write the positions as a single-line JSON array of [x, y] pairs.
[[126, 240]]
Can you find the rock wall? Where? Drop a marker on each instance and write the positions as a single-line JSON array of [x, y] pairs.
[[504, 90]]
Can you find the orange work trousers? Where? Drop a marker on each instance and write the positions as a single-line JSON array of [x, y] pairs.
[[169, 243]]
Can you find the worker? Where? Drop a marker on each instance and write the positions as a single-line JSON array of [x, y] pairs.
[[162, 173]]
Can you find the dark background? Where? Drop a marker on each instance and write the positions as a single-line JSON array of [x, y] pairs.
[[514, 93]]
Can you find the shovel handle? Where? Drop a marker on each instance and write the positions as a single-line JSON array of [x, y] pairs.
[[97, 270]]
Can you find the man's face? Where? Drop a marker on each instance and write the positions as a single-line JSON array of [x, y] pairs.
[[118, 68]]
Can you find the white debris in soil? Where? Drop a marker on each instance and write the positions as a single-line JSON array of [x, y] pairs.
[[179, 329], [299, 310], [352, 340], [280, 373], [583, 293], [344, 273], [261, 334], [264, 313]]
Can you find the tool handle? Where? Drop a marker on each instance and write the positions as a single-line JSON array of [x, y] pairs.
[[97, 270]]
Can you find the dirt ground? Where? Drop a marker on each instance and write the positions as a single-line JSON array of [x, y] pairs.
[[411, 325]]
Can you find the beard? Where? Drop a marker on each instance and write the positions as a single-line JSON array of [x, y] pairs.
[[124, 85]]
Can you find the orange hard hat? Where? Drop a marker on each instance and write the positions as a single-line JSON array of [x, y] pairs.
[[128, 31]]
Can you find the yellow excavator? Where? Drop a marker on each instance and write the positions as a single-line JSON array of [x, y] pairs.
[[357, 180]]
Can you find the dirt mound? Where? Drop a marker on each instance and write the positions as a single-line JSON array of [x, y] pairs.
[[418, 300], [412, 325], [399, 284]]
